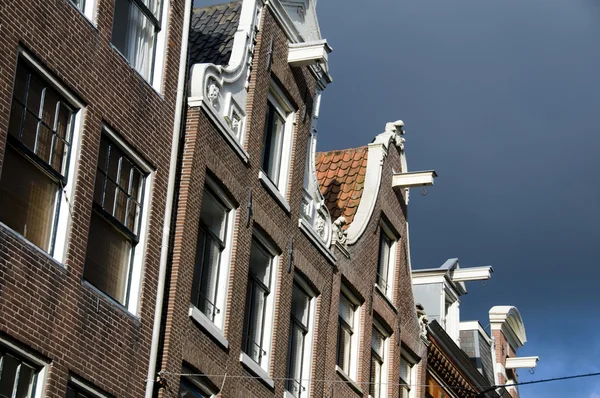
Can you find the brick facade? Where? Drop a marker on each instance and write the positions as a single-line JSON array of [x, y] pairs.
[[46, 307]]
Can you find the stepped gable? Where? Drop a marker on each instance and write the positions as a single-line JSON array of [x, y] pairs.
[[341, 176], [212, 31]]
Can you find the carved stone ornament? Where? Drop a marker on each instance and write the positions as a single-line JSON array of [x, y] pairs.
[[423, 321], [320, 225], [212, 94], [339, 235]]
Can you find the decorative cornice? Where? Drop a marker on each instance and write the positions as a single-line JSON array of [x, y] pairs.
[[508, 320], [378, 151]]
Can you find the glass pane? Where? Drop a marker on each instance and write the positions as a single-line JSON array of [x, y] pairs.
[[8, 377], [16, 115], [44, 143], [133, 216], [196, 296], [20, 84], [296, 352], [136, 185], [187, 390], [140, 41], [110, 195], [300, 302], [27, 199], [25, 382], [120, 24], [347, 310], [71, 393], [49, 110], [34, 95], [125, 174], [107, 258], [375, 386], [273, 144], [153, 6], [29, 132], [120, 211], [209, 279], [59, 155], [345, 349], [213, 214], [255, 322], [384, 259], [260, 263], [377, 341], [63, 123], [114, 163]]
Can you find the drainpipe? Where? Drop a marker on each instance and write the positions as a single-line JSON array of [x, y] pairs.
[[164, 251]]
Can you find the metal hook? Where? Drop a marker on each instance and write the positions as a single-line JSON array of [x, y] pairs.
[[531, 371], [424, 191], [484, 283]]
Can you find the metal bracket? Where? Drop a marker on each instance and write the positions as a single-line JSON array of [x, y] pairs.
[[290, 254], [249, 208], [270, 56]]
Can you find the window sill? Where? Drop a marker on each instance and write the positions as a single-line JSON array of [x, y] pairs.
[[111, 301], [349, 381], [145, 80], [208, 326], [222, 128], [275, 193], [386, 298], [255, 369], [316, 240]]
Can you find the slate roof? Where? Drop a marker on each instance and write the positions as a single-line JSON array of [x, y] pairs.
[[211, 33], [341, 176]]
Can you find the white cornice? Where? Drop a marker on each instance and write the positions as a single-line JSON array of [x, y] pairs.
[[472, 274], [522, 362], [377, 152], [508, 320], [413, 179]]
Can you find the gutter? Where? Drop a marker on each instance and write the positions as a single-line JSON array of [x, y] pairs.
[[164, 251]]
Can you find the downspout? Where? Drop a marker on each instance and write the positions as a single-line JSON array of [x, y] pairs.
[[164, 251]]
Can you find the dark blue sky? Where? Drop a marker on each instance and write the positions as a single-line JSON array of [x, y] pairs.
[[502, 99]]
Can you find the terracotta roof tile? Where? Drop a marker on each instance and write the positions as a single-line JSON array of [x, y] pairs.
[[341, 176]]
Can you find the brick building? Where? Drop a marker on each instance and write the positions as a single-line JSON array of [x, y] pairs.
[[463, 359], [290, 270], [88, 93]]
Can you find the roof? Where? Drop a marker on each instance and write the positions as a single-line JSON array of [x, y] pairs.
[[211, 33], [341, 176]]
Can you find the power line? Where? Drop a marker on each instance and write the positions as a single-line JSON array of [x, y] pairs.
[[338, 381], [579, 376]]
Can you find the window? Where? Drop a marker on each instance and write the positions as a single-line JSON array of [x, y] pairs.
[[277, 144], [348, 335], [87, 8], [259, 302], [406, 377], [212, 254], [114, 248], [189, 388], [36, 172], [136, 26], [18, 377], [78, 388], [300, 339], [378, 343], [385, 265]]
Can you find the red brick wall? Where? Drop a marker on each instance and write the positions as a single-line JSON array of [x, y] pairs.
[[44, 305]]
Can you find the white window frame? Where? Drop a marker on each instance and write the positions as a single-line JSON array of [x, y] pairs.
[[137, 265], [391, 268], [40, 385], [278, 189], [355, 342], [217, 328], [87, 388], [309, 339], [263, 369], [158, 63], [386, 358], [409, 359], [62, 222]]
